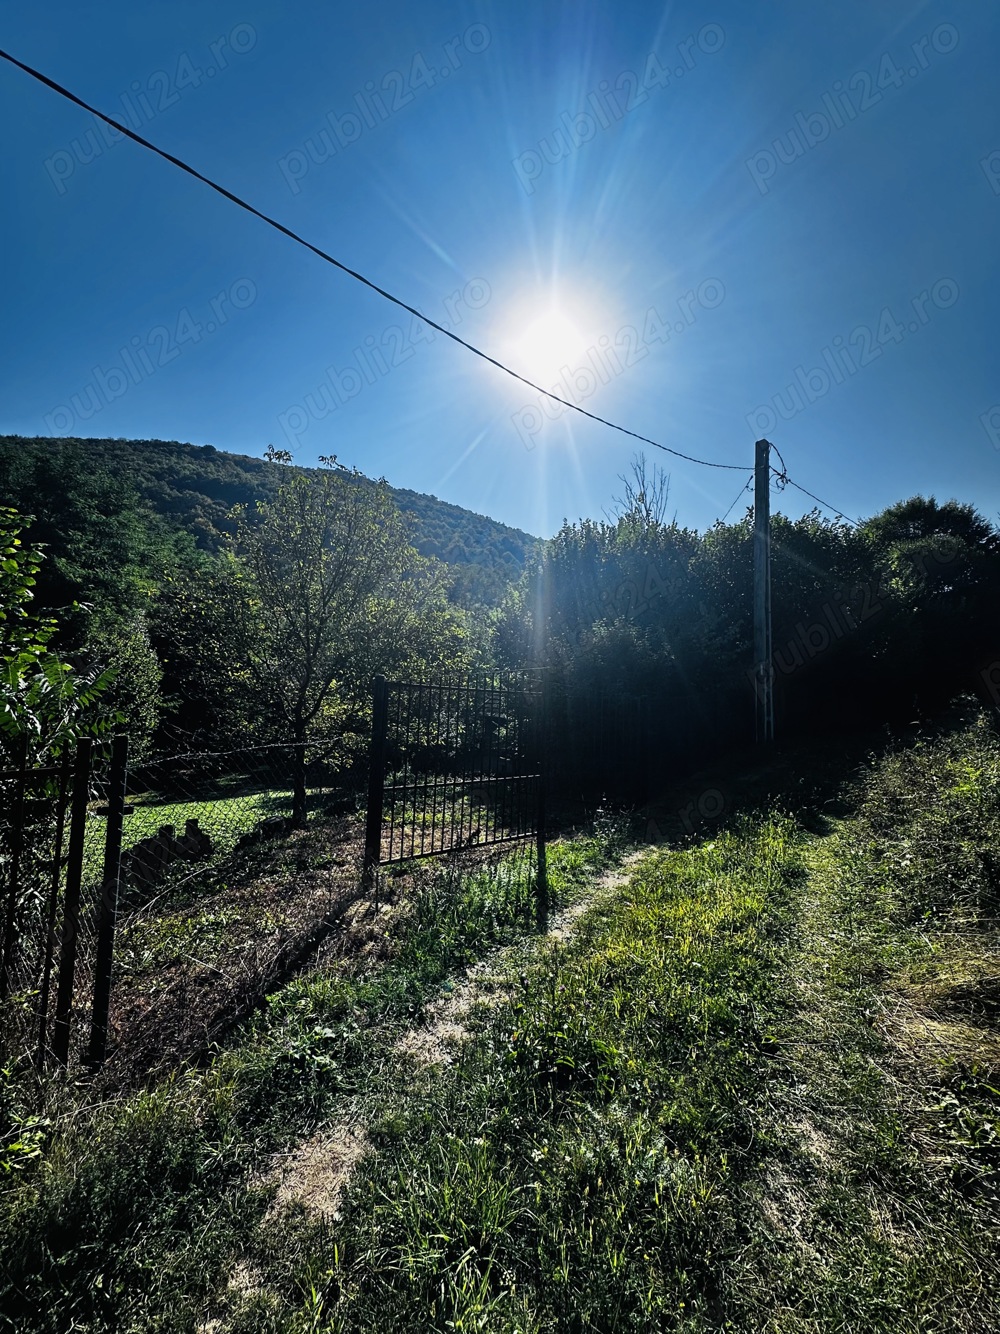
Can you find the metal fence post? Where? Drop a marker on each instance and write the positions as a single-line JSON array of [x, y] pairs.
[[53, 905], [376, 779], [542, 873], [16, 841], [71, 901], [104, 963]]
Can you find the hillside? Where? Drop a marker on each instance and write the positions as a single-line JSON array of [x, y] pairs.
[[193, 487]]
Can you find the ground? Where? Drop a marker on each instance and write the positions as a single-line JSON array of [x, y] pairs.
[[748, 1079]]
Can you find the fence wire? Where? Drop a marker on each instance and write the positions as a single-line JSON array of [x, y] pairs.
[[229, 860], [202, 878], [187, 813]]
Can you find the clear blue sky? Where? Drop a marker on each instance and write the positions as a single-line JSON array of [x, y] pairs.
[[726, 220]]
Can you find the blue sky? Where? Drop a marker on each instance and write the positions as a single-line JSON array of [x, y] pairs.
[[706, 221]]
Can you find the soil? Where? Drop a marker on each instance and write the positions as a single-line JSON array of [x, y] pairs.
[[266, 914]]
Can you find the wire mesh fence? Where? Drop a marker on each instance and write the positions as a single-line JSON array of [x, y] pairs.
[[208, 871], [189, 813], [51, 875], [230, 862], [138, 875], [33, 806]]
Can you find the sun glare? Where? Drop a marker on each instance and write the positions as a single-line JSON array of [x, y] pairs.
[[548, 343]]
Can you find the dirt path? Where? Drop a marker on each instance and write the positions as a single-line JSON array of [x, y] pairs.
[[315, 1173], [489, 982]]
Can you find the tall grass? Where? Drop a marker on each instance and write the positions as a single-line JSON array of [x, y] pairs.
[[126, 1217], [703, 1112], [929, 824], [571, 1173]]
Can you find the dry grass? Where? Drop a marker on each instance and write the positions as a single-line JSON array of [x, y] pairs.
[[314, 1174]]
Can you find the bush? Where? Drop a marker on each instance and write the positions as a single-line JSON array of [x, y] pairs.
[[929, 823]]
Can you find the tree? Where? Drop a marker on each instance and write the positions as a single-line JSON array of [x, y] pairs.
[[209, 696], [44, 703], [644, 504], [89, 523], [95, 533], [327, 568], [938, 567]]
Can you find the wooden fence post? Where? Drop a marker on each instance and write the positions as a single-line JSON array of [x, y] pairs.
[[104, 962], [376, 780], [71, 901]]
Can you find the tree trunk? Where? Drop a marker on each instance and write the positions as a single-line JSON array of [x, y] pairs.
[[299, 779]]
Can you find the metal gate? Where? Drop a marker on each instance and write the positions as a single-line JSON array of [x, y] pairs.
[[456, 764]]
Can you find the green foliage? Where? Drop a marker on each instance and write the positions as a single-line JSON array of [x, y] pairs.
[[139, 575], [329, 591], [209, 696], [869, 624], [44, 703], [929, 824], [88, 521], [188, 492], [122, 1217], [125, 650], [23, 1132]]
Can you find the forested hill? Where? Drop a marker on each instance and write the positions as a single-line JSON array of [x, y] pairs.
[[193, 488]]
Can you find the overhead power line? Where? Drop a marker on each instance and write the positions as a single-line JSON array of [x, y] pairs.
[[785, 480], [742, 491], [352, 273]]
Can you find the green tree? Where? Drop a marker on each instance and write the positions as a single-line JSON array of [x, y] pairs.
[[44, 703], [210, 699], [98, 546], [331, 590], [938, 571]]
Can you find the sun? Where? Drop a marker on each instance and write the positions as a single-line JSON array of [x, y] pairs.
[[549, 342]]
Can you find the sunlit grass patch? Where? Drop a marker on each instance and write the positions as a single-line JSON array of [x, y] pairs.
[[223, 819], [573, 1166], [128, 1216]]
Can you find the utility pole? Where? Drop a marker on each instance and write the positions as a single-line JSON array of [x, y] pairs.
[[763, 668]]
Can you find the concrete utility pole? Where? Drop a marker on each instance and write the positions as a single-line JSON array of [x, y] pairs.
[[763, 666]]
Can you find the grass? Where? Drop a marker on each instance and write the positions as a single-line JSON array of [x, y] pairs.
[[756, 1090], [127, 1216], [702, 1115], [155, 943], [224, 819], [571, 1171]]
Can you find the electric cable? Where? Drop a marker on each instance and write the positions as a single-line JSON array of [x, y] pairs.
[[352, 273], [746, 487], [834, 509]]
